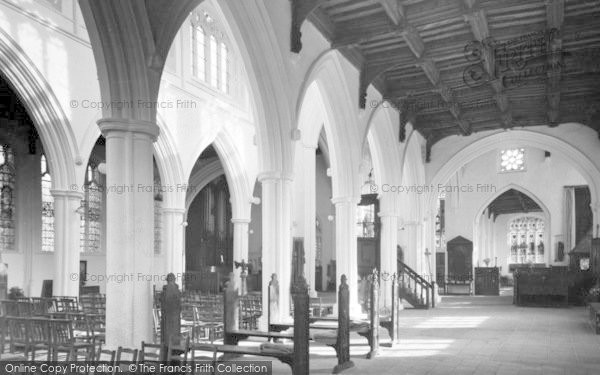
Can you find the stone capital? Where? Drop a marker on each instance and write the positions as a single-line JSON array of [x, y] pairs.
[[240, 221], [345, 200], [74, 194], [274, 176], [111, 126], [173, 211]]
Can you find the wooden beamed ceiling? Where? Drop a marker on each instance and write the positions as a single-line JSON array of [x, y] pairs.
[[510, 202], [454, 67]]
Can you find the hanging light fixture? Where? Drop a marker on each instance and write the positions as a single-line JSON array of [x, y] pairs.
[[370, 180]]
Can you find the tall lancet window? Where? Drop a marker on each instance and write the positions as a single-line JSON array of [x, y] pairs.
[[198, 52], [214, 62], [91, 217], [47, 207], [7, 204], [224, 82]]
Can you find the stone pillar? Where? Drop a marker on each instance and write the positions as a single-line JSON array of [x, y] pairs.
[[428, 271], [277, 240], [240, 244], [389, 258], [173, 242], [27, 196], [346, 249], [67, 227], [129, 230], [310, 207]]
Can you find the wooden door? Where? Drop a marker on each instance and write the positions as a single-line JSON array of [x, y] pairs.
[[460, 259]]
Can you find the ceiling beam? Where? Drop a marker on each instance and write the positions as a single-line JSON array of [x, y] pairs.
[[555, 15], [477, 19], [394, 9], [345, 39], [301, 9]]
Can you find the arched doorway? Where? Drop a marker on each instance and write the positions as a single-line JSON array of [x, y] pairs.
[[209, 231]]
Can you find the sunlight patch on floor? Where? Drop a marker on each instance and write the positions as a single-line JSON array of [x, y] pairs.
[[416, 348], [453, 322]]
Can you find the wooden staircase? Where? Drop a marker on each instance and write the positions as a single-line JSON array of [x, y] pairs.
[[414, 288]]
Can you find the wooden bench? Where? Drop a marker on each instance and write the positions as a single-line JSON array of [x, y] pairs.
[[283, 353], [595, 316], [233, 337]]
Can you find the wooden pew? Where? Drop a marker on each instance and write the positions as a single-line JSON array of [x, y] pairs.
[[362, 328], [296, 356], [393, 324]]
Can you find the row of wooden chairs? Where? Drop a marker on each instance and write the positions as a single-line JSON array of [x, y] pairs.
[[36, 306], [184, 351], [179, 350], [195, 325], [54, 336], [93, 303], [250, 310]]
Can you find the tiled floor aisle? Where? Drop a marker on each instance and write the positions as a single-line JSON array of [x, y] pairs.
[[477, 335]]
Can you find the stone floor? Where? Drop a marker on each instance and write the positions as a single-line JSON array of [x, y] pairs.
[[476, 335]]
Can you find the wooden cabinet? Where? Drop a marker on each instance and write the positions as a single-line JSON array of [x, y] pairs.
[[541, 286], [487, 281]]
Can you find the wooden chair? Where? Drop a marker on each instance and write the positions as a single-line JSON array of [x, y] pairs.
[[38, 332], [41, 306], [126, 354], [97, 328], [151, 353], [105, 355], [10, 308], [64, 341], [156, 316], [197, 352], [177, 349], [82, 329], [17, 331], [66, 304]]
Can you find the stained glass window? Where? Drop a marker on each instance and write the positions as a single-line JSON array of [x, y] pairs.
[[526, 240], [512, 160], [47, 207], [91, 215], [7, 205]]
